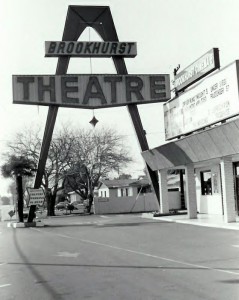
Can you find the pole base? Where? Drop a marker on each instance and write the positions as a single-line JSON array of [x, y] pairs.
[[25, 225]]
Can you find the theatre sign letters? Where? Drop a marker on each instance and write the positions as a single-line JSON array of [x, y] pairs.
[[214, 99], [90, 91]]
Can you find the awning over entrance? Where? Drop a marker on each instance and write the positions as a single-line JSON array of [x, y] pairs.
[[216, 142]]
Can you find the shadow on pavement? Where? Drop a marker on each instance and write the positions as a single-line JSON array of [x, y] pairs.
[[236, 281], [104, 225], [35, 274], [230, 281]]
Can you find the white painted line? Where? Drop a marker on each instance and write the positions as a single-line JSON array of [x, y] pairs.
[[2, 264], [237, 246], [67, 254], [4, 285], [151, 255]]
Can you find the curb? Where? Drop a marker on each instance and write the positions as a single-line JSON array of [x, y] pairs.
[[230, 226], [25, 225]]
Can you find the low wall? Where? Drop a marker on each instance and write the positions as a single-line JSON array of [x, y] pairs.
[[113, 205], [4, 212]]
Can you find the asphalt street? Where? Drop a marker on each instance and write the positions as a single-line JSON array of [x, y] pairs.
[[118, 257]]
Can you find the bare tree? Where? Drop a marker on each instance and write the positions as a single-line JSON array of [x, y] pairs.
[[96, 154], [28, 144], [76, 159], [59, 158]]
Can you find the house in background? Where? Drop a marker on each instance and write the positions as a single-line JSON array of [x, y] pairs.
[[118, 188], [125, 196], [73, 196]]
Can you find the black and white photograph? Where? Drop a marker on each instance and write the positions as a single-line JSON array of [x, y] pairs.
[[119, 150]]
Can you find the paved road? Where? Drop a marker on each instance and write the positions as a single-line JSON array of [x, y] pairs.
[[120, 257]]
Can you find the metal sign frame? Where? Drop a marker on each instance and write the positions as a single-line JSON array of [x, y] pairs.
[[100, 19]]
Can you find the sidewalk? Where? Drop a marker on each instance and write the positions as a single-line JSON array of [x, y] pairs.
[[202, 220]]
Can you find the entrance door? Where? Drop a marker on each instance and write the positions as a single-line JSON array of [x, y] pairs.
[[236, 176]]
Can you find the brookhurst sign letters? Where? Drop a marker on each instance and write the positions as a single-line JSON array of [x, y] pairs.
[[90, 49], [90, 91]]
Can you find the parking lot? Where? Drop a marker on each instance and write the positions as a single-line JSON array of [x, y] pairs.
[[118, 257]]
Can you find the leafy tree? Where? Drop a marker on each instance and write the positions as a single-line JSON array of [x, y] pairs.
[[18, 166]]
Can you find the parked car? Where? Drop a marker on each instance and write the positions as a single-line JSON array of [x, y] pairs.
[[61, 205], [78, 205], [65, 205]]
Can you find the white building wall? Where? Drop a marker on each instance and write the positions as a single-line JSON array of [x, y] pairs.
[[191, 192], [228, 190], [163, 190]]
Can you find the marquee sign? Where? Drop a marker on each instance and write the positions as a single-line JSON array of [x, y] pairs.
[[90, 91], [213, 100], [197, 70], [90, 49]]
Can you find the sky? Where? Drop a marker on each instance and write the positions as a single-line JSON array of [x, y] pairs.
[[167, 33]]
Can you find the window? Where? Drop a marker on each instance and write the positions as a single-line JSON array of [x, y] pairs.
[[206, 182], [215, 183], [124, 192], [144, 189]]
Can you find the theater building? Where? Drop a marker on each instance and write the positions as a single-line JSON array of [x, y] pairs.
[[202, 134]]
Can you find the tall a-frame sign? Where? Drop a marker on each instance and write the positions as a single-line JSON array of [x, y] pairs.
[[100, 90]]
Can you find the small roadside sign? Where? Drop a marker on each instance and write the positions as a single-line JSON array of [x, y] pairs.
[[11, 213], [36, 196]]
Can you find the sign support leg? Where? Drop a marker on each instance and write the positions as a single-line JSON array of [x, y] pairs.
[[141, 135], [50, 123]]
